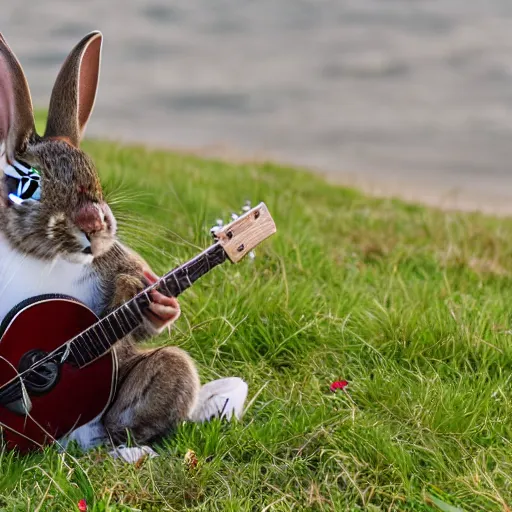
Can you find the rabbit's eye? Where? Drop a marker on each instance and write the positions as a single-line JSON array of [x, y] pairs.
[[22, 182]]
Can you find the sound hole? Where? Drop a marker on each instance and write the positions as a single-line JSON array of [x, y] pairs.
[[42, 379]]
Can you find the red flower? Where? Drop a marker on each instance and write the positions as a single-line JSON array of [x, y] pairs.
[[338, 384], [82, 506]]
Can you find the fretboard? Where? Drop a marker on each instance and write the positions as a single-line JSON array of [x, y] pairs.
[[101, 336]]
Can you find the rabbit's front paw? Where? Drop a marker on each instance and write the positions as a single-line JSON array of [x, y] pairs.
[[162, 312]]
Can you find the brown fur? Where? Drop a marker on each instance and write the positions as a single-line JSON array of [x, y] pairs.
[[64, 169], [144, 408], [75, 87], [157, 388]]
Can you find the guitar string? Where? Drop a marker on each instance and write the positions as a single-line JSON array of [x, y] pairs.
[[126, 318], [89, 342], [86, 345], [81, 337], [120, 325], [93, 342], [72, 343], [212, 249]]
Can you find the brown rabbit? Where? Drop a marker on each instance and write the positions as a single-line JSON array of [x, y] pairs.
[[66, 242]]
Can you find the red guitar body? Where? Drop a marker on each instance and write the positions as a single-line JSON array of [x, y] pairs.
[[78, 395]]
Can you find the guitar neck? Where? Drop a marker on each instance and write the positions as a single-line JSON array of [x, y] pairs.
[[100, 337], [234, 241]]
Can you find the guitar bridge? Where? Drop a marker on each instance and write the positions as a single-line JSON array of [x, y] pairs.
[[15, 398], [22, 406]]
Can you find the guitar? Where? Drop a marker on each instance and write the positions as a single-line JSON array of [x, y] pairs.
[[64, 375]]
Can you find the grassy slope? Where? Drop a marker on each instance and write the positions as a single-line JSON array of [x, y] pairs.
[[408, 304]]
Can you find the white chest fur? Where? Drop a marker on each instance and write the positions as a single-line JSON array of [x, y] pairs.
[[22, 277]]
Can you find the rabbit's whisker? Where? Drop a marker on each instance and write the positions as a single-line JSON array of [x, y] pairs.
[[132, 220]]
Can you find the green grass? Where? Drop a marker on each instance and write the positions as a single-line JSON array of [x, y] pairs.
[[409, 304]]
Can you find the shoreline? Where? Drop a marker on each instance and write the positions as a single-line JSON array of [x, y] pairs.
[[423, 192]]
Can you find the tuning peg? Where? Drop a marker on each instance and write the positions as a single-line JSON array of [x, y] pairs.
[[218, 225]]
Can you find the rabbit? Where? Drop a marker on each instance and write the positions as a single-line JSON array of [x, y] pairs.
[[66, 242]]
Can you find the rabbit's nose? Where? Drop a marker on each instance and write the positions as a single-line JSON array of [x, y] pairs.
[[90, 219]]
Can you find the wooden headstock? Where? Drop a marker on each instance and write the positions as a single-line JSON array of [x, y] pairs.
[[243, 234]]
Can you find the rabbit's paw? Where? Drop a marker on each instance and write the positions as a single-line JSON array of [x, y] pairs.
[[162, 312]]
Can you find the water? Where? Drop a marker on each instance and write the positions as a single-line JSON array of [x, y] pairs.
[[403, 96]]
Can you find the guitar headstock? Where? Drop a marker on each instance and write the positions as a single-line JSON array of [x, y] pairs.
[[244, 233]]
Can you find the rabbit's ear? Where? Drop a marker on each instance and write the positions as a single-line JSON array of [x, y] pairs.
[[16, 113], [74, 92]]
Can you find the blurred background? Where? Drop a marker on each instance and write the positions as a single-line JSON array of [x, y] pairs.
[[404, 97]]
